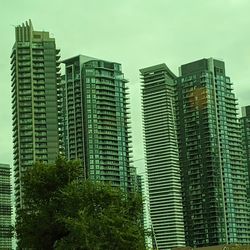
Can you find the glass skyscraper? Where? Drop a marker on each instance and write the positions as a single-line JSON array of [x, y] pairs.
[[97, 129], [35, 78], [213, 170], [162, 158], [5, 208]]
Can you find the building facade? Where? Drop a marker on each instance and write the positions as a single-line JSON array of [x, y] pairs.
[[5, 208], [97, 120], [217, 247], [35, 78], [162, 158], [245, 128], [146, 211], [213, 170]]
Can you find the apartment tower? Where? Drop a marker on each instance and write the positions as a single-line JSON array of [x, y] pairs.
[[245, 128], [97, 118], [213, 170], [35, 77], [162, 158], [5, 208]]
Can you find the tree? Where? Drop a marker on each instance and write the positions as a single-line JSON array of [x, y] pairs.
[[36, 222], [98, 217], [62, 211]]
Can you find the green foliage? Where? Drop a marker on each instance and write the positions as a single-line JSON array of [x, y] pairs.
[[36, 222], [62, 212], [100, 217]]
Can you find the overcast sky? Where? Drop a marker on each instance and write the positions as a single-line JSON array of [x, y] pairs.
[[136, 33]]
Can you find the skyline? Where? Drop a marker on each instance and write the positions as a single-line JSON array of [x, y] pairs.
[[164, 37]]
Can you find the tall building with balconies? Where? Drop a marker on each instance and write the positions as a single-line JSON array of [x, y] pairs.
[[213, 170], [245, 128], [35, 78], [5, 208], [97, 120], [162, 157]]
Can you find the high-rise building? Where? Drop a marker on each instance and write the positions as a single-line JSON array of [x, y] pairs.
[[245, 127], [213, 170], [162, 158], [62, 116], [35, 77], [5, 208], [97, 118], [146, 211]]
